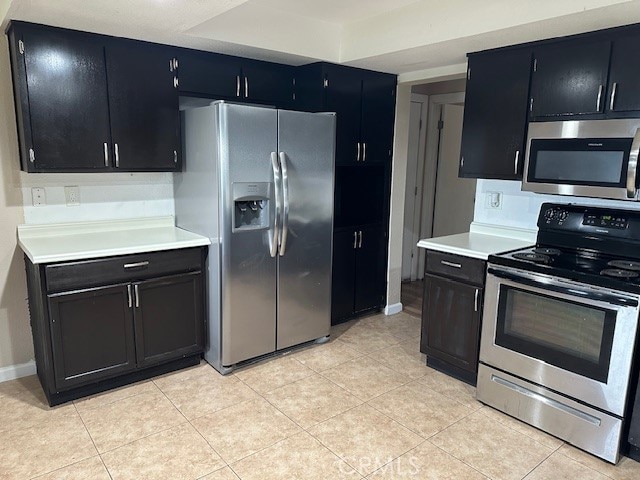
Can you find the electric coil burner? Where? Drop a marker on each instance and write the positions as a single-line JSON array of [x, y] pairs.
[[560, 324]]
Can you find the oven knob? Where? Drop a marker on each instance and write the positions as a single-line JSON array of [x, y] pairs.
[[550, 214]]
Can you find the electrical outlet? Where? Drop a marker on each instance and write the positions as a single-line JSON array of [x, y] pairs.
[[72, 196], [493, 200], [38, 197]]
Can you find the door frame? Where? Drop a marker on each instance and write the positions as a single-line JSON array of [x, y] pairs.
[[418, 168], [436, 103]]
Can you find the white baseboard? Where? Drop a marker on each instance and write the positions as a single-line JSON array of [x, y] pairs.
[[393, 309], [17, 371]]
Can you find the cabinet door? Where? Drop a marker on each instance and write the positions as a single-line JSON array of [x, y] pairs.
[[451, 322], [624, 74], [67, 97], [370, 268], [343, 275], [169, 318], [143, 103], [495, 115], [91, 334], [570, 78], [209, 74], [378, 113], [267, 83], [343, 95]]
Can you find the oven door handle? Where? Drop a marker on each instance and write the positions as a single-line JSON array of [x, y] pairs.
[[572, 292]]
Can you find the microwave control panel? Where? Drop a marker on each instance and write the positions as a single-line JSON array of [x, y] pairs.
[[606, 221]]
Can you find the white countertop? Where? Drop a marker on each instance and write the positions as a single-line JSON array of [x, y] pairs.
[[481, 241], [84, 240]]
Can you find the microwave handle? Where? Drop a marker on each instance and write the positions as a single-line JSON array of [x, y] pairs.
[[632, 169]]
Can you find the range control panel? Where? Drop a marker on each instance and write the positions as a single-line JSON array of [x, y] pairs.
[[555, 216], [606, 221]]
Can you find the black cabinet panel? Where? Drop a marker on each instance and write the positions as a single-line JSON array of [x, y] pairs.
[[369, 268], [495, 115], [267, 83], [378, 112], [451, 322], [343, 96], [359, 194], [67, 98], [143, 103], [624, 75], [91, 334], [570, 78], [343, 282], [169, 317], [209, 74]]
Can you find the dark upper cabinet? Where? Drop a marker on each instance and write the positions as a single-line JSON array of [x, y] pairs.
[[495, 115], [91, 334], [624, 87], [169, 317], [61, 99], [570, 78], [143, 104], [233, 78], [364, 102]]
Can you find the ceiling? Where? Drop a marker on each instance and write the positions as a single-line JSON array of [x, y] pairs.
[[396, 36]]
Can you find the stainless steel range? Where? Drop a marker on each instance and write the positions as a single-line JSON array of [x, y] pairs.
[[560, 326]]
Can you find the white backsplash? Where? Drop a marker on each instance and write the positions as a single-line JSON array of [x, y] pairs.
[[103, 196], [520, 209]]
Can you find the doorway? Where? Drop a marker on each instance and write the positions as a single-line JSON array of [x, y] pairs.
[[437, 202]]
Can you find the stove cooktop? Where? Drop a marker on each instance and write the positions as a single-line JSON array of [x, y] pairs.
[[586, 267]]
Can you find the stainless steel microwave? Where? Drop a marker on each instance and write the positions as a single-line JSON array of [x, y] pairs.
[[585, 158]]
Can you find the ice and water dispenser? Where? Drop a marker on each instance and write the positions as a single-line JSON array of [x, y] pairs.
[[250, 206]]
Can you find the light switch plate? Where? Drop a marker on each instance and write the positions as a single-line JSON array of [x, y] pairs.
[[38, 197], [72, 196]]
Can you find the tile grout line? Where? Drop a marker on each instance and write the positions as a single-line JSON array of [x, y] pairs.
[[540, 462], [92, 441], [456, 458], [581, 463]]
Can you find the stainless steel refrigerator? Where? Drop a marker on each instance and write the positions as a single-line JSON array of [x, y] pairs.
[[259, 183]]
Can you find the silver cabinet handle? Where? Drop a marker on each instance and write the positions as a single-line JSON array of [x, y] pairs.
[[475, 301], [599, 98], [106, 154], [273, 248], [358, 156], [516, 162], [129, 295], [137, 292], [175, 156], [237, 85], [355, 239], [360, 239], [246, 87], [285, 203], [136, 265], [461, 162], [451, 264], [633, 165], [117, 154], [613, 95], [364, 152]]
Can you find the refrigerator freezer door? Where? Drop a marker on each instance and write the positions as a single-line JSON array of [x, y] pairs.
[[248, 136], [307, 145]]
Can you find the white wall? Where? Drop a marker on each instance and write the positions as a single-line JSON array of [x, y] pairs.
[[520, 209]]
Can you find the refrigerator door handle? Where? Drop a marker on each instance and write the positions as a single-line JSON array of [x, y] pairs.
[[285, 198], [273, 245]]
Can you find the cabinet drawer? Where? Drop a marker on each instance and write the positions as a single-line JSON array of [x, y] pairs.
[[102, 271], [456, 266]]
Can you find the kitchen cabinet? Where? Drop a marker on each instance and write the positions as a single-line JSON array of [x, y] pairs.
[[452, 313], [495, 115], [226, 77], [358, 272], [624, 88], [91, 103], [569, 78], [104, 322]]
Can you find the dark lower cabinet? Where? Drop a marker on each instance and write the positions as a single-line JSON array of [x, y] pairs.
[[451, 315], [358, 271], [147, 318]]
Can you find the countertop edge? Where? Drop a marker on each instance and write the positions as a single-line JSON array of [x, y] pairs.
[[454, 250]]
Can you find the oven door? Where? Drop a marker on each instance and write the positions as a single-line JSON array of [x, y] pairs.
[[566, 336]]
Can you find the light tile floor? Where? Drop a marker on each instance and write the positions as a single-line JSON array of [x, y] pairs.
[[364, 405]]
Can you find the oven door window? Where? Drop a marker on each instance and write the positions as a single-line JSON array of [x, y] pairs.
[[570, 335]]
